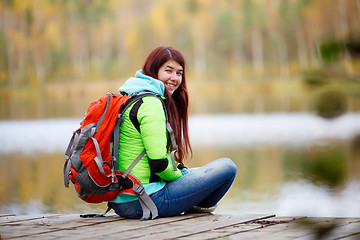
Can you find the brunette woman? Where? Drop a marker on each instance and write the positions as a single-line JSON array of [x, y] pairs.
[[144, 127]]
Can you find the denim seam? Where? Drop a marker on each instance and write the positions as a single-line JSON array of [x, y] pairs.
[[132, 205]]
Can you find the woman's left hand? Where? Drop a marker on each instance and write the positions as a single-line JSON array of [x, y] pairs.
[[185, 171]]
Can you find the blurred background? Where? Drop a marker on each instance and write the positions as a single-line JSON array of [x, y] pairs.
[[274, 85]]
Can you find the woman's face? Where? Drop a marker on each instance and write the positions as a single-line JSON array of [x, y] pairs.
[[170, 73]]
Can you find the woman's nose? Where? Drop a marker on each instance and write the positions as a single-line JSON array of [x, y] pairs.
[[174, 77]]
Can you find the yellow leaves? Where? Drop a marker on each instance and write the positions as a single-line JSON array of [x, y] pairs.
[[159, 21], [162, 17], [52, 33], [131, 37], [21, 5]]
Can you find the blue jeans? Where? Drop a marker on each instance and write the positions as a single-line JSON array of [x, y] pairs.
[[203, 187]]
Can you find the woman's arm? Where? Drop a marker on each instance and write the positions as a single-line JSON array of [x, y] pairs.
[[152, 122]]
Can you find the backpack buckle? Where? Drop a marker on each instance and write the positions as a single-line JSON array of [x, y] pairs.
[[112, 176], [138, 189]]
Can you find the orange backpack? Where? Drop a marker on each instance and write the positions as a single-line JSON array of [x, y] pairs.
[[92, 155]]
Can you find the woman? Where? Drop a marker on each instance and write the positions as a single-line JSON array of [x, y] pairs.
[[144, 127]]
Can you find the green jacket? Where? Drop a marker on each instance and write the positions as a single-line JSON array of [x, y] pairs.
[[144, 127]]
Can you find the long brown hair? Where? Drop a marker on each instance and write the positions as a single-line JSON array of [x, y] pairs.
[[176, 104]]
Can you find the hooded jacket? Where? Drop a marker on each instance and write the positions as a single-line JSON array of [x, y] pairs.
[[144, 127]]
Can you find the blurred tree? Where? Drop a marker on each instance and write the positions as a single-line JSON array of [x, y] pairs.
[[46, 41], [331, 103]]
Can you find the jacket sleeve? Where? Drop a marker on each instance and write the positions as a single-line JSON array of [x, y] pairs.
[[151, 118]]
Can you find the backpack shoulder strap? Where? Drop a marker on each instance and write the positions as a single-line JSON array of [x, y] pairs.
[[133, 114]]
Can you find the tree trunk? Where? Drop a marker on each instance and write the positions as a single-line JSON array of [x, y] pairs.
[[302, 51], [257, 52]]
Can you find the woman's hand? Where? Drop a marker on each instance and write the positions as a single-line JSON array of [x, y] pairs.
[[183, 169]]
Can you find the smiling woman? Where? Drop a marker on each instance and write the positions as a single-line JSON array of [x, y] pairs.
[[158, 126]]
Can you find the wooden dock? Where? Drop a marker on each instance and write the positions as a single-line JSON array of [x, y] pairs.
[[191, 226]]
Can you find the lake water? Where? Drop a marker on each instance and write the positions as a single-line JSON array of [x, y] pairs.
[[288, 164]]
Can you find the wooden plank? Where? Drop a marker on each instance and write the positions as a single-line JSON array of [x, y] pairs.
[[221, 232], [218, 233], [352, 237], [35, 226], [190, 226], [122, 230], [158, 228], [19, 218], [7, 215], [351, 230], [270, 231], [291, 230], [341, 227], [81, 228], [194, 226]]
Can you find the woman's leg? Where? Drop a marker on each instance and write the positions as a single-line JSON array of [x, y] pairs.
[[203, 187]]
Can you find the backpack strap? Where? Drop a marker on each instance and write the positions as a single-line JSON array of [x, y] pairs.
[[73, 141], [148, 206], [133, 114]]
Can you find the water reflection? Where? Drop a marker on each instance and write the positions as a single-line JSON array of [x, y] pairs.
[[311, 181], [34, 184], [321, 178]]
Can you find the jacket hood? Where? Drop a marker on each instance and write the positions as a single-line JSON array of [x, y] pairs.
[[142, 83]]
